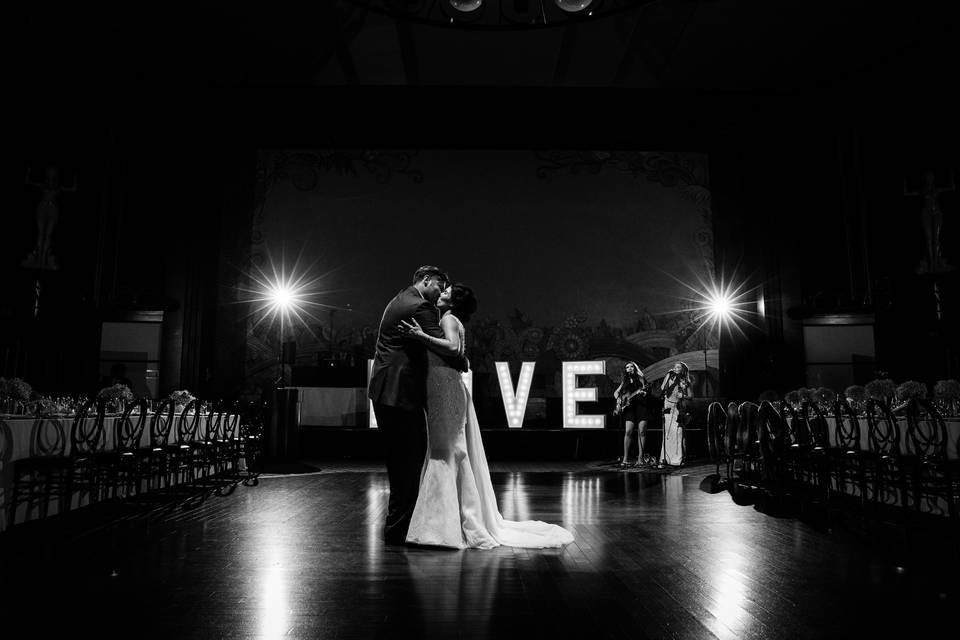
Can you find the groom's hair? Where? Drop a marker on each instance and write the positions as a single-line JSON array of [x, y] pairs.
[[427, 271]]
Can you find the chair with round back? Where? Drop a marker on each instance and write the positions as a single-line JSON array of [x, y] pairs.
[[885, 471], [154, 457], [123, 464], [730, 440], [87, 444], [716, 432], [847, 456], [931, 472], [43, 474], [748, 445], [772, 438], [183, 461]]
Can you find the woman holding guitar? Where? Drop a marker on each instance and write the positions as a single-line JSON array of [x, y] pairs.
[[631, 398]]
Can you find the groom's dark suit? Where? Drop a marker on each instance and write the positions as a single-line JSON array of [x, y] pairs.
[[398, 390]]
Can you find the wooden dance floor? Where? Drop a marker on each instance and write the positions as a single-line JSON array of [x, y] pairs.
[[300, 556]]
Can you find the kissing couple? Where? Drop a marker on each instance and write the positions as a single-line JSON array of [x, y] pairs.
[[440, 489]]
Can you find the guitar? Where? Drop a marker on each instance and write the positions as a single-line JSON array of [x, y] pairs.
[[625, 398]]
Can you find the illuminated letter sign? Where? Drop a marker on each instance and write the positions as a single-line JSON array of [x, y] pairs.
[[515, 403], [572, 394]]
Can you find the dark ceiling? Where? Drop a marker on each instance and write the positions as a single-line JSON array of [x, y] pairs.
[[673, 73], [782, 45]]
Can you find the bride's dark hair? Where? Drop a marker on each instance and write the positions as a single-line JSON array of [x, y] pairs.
[[463, 303]]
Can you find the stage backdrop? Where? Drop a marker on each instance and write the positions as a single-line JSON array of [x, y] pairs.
[[573, 256]]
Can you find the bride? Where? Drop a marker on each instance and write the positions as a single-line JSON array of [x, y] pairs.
[[456, 506]]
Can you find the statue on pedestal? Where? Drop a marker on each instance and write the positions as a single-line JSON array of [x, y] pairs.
[[932, 219], [47, 214]]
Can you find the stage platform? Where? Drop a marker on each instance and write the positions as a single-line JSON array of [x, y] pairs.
[[500, 444]]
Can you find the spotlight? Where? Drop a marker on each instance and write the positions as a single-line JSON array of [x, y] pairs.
[[282, 297], [719, 306]]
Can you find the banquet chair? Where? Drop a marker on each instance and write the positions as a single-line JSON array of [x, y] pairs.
[[122, 466], [232, 447], [730, 441], [930, 471], [206, 443], [43, 475], [87, 444], [748, 446], [885, 471], [716, 433], [817, 464], [182, 461], [153, 459], [803, 461], [845, 466], [771, 434]]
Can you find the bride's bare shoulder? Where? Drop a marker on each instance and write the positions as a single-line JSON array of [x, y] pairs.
[[452, 320]]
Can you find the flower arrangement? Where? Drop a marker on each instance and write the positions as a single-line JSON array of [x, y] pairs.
[[911, 389], [947, 389], [116, 392], [15, 389], [181, 398], [881, 389], [824, 397], [794, 397], [946, 394], [856, 396]]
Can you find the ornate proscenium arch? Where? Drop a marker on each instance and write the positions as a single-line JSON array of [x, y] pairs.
[[499, 14], [695, 360]]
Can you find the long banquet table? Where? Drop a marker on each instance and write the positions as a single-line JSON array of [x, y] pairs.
[[19, 438], [930, 505], [906, 444]]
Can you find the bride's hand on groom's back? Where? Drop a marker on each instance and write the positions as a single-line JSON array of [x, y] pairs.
[[411, 328]]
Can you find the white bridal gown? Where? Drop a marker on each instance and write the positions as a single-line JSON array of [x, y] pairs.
[[456, 506]]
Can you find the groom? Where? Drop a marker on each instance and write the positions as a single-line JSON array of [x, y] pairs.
[[398, 391]]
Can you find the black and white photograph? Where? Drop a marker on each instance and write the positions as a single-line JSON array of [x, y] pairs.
[[506, 319]]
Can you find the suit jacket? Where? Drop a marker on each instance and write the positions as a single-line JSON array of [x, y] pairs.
[[399, 371]]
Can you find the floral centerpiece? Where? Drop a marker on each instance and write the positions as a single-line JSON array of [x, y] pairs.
[[116, 397], [910, 390], [181, 399], [883, 389], [794, 398], [824, 397], [15, 388], [856, 396], [946, 395], [14, 392]]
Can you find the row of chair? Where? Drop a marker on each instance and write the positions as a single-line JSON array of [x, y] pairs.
[[787, 452], [184, 452]]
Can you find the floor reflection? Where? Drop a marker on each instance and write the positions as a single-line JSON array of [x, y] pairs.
[[514, 502], [456, 591], [274, 607], [580, 498]]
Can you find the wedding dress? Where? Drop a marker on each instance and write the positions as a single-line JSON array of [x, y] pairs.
[[456, 506]]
